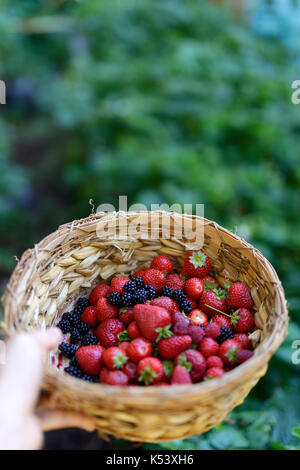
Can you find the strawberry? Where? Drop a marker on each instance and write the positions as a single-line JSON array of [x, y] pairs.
[[210, 283], [162, 384], [138, 349], [105, 311], [180, 376], [163, 263], [197, 264], [213, 330], [242, 320], [196, 333], [213, 373], [228, 351], [133, 330], [130, 369], [139, 273], [243, 339], [150, 370], [116, 377], [103, 374], [124, 345], [168, 370], [239, 296], [153, 322], [155, 278], [126, 315], [114, 358], [194, 362], [107, 333], [194, 302], [244, 355], [209, 347], [181, 327], [183, 274], [212, 301], [102, 290], [214, 361], [170, 347], [177, 316], [165, 302], [90, 358], [90, 317], [198, 317], [221, 320], [117, 283], [194, 287], [175, 281]]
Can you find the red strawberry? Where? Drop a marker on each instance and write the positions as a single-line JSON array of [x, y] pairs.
[[138, 349], [243, 339], [211, 302], [209, 347], [239, 296], [210, 283], [198, 317], [124, 345], [165, 302], [170, 347], [181, 327], [194, 287], [244, 355], [139, 273], [116, 377], [214, 361], [102, 290], [163, 263], [155, 278], [126, 315], [114, 358], [197, 264], [117, 283], [213, 330], [213, 373], [168, 370], [221, 320], [162, 384], [177, 316], [242, 320], [180, 376], [150, 370], [196, 333], [107, 333], [133, 330], [130, 369], [183, 274], [90, 317], [228, 351], [105, 311], [89, 358], [153, 322], [194, 362], [103, 374], [175, 281]]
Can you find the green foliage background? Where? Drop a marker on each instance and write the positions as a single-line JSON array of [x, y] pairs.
[[164, 101]]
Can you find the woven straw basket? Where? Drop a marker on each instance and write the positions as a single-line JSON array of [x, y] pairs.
[[68, 263]]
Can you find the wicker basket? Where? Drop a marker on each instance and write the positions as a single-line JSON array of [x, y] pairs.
[[67, 263]]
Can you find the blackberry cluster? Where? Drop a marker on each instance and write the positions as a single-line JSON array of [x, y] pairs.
[[131, 286], [179, 296], [89, 339], [225, 334], [139, 282], [75, 336], [186, 306], [73, 362], [140, 296], [82, 302], [67, 349], [67, 316], [74, 371], [114, 298], [150, 291], [128, 299], [87, 377], [166, 291], [65, 326]]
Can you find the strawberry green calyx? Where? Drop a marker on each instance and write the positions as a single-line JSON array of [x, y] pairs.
[[197, 259], [119, 360], [147, 375], [221, 294], [123, 336], [193, 346], [168, 367], [209, 285], [123, 310], [234, 318], [164, 332], [232, 355], [183, 362], [183, 277]]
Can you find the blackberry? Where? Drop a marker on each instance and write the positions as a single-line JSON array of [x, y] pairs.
[[83, 327], [130, 286], [139, 282], [88, 378], [74, 371], [166, 291], [65, 326], [151, 292], [179, 296], [225, 334], [203, 327], [67, 316], [78, 310], [88, 339], [127, 299], [82, 302], [140, 296], [67, 349], [73, 362], [186, 306], [76, 322], [114, 298], [75, 336]]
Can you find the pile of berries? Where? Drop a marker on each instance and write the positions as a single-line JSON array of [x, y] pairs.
[[159, 327]]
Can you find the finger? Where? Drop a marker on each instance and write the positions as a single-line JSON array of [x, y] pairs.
[[48, 339], [60, 419]]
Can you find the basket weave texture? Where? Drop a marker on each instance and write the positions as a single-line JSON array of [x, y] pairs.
[[69, 262]]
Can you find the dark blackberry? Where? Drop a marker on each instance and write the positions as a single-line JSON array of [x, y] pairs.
[[74, 371], [140, 296], [127, 299], [114, 298], [67, 349], [139, 282], [179, 296], [78, 310], [67, 316], [203, 327], [166, 291], [151, 292], [88, 378], [225, 334], [75, 336], [88, 339], [82, 302], [76, 322], [83, 327], [73, 362], [65, 326], [186, 306], [130, 286]]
